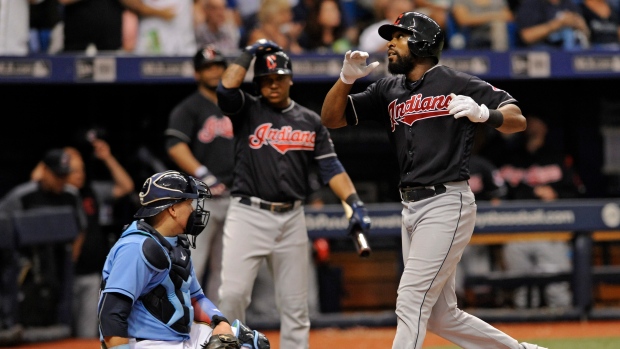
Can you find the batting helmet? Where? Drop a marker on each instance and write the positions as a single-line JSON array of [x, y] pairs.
[[165, 189], [426, 38], [273, 63], [208, 55]]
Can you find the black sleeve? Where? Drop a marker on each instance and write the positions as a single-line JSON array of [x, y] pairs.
[[230, 100], [113, 314]]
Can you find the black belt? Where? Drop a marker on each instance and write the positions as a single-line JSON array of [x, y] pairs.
[[421, 193], [279, 207]]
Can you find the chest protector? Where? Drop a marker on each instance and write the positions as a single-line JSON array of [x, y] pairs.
[[169, 301]]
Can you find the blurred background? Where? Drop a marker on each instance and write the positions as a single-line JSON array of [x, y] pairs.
[[116, 69]]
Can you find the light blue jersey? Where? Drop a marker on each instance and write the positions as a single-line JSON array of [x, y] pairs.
[[127, 271]]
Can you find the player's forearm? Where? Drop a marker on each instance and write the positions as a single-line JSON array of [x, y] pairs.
[[233, 76], [235, 73], [342, 186], [514, 121], [335, 104], [182, 156]]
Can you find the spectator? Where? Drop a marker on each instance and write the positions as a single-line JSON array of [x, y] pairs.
[[129, 37], [485, 23], [14, 36], [149, 291], [539, 172], [41, 292], [276, 141], [96, 196], [325, 29], [98, 24], [45, 28], [603, 22], [199, 140], [275, 23], [370, 40], [551, 23], [218, 28], [168, 36], [439, 10], [245, 13]]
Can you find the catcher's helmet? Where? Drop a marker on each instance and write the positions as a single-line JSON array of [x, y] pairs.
[[165, 189], [426, 38], [272, 63], [208, 55]]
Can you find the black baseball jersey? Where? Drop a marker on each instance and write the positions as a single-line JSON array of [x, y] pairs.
[[274, 149], [209, 133], [432, 146]]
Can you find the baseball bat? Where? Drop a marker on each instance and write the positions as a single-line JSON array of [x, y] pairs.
[[359, 239]]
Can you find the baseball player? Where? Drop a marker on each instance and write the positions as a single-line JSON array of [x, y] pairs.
[[276, 141], [430, 112], [199, 140], [149, 294]]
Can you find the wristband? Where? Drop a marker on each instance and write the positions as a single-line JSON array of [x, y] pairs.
[[353, 198], [496, 118], [345, 79], [216, 319], [244, 60], [201, 172]]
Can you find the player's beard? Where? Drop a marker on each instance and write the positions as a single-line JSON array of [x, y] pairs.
[[208, 86], [402, 65]]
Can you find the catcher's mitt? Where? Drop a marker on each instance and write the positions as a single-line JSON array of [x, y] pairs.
[[222, 341]]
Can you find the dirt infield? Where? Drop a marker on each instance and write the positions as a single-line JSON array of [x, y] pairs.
[[373, 338]]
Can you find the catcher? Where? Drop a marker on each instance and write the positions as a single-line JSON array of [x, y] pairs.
[[149, 294]]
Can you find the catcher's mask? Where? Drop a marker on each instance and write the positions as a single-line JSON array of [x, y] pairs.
[[427, 38], [165, 189]]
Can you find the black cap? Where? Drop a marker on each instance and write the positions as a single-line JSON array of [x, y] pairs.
[[208, 55], [58, 161]]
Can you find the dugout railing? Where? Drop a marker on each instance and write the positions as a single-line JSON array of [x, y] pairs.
[[582, 222]]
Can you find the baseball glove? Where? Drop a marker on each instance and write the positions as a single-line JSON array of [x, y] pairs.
[[222, 341]]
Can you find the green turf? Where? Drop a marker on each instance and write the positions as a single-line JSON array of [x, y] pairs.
[[572, 343]]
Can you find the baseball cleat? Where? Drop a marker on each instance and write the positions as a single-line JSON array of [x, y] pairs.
[[531, 346]]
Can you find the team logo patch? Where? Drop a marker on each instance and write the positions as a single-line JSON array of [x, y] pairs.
[[282, 140], [417, 108], [215, 127], [271, 62]]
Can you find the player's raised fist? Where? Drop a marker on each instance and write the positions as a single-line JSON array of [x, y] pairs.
[[354, 66], [461, 106], [263, 46]]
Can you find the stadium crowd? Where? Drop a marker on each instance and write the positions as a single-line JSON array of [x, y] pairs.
[[177, 28]]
